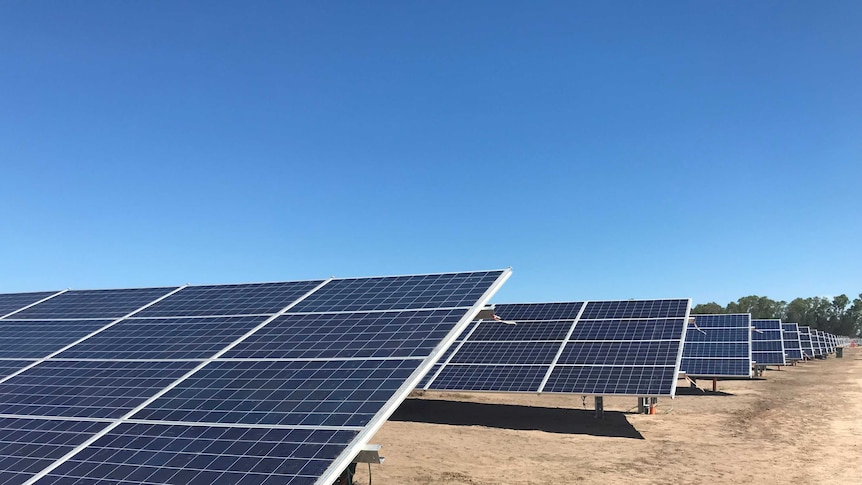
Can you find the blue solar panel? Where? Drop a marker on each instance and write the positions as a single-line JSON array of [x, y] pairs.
[[767, 343], [177, 454], [792, 342], [623, 341], [297, 393], [29, 445], [718, 346], [506, 353], [663, 353], [635, 309], [347, 335], [9, 367], [92, 389], [93, 304], [163, 338], [292, 419], [12, 302], [805, 338], [447, 290], [604, 380], [35, 339], [539, 311], [716, 367], [508, 378], [261, 298], [538, 330]]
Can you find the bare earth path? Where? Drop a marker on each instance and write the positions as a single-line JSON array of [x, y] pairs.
[[800, 424]]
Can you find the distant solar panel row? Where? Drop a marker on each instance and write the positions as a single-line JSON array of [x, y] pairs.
[[591, 348], [263, 383], [805, 339], [767, 343], [792, 342], [718, 346]]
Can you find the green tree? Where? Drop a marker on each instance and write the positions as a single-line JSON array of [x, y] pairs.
[[710, 308]]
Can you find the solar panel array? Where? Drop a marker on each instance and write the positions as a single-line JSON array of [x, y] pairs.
[[588, 348], [718, 346], [805, 339], [767, 343], [819, 345], [792, 341], [252, 384]]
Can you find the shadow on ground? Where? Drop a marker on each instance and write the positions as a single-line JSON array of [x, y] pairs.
[[509, 416], [690, 391]]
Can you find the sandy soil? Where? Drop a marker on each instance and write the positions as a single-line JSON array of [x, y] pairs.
[[799, 424]]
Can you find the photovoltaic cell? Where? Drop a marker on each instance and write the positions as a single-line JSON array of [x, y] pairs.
[[35, 339], [163, 338], [402, 292], [635, 309], [510, 378], [767, 343], [626, 347], [93, 304], [606, 380], [86, 389], [9, 367], [718, 346], [310, 393], [792, 342], [349, 335], [11, 302], [261, 298], [292, 419], [521, 312], [29, 445], [195, 455], [805, 338]]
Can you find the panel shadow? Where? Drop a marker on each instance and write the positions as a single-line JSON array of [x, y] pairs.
[[510, 416]]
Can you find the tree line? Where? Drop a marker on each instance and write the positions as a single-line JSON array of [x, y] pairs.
[[838, 315]]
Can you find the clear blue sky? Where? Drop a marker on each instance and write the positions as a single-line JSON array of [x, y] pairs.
[[641, 149]]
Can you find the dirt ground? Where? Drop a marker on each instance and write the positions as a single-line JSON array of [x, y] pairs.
[[799, 424]]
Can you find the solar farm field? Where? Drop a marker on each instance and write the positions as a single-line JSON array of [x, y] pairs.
[[801, 423]]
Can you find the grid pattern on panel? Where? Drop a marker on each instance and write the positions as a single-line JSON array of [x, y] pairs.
[[93, 304], [92, 389], [10, 302], [29, 445], [718, 346], [310, 393], [349, 335], [817, 342], [173, 405], [35, 339], [511, 378], [446, 290], [249, 299], [606, 380], [177, 454], [792, 341], [163, 338], [622, 341], [9, 367], [635, 309], [767, 343], [538, 311]]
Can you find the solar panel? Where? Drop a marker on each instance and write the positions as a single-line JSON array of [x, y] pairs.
[[792, 342], [219, 384], [13, 302], [817, 343], [92, 304], [34, 339], [718, 346], [767, 343], [605, 347], [805, 339]]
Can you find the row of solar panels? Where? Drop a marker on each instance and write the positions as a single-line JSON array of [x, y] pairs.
[[285, 382]]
